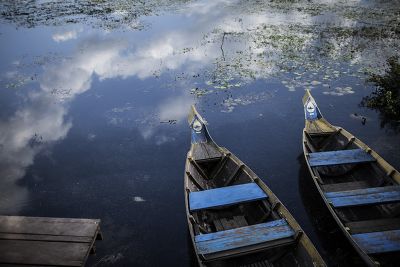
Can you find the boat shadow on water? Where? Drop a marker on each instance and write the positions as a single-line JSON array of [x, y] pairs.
[[331, 243]]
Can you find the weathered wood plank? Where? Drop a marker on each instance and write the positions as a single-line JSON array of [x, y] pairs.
[[228, 224], [211, 150], [242, 230], [43, 253], [339, 157], [243, 236], [202, 151], [42, 241], [225, 196], [379, 242], [234, 174], [241, 221], [218, 225], [345, 186], [220, 166], [375, 225], [198, 169], [368, 196], [36, 237], [23, 219], [364, 191], [50, 226], [197, 182]]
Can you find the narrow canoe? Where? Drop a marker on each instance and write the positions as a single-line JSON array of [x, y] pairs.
[[234, 218], [360, 189]]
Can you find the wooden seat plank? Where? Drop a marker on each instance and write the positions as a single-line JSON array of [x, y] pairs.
[[378, 242], [368, 196], [243, 236], [223, 196], [339, 157]]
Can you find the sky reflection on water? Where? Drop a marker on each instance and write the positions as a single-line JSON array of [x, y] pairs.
[[92, 120]]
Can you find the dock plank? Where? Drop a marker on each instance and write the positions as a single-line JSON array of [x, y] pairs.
[[43, 253], [43, 241], [53, 226], [34, 237]]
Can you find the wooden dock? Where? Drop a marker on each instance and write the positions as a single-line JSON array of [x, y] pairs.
[[38, 241]]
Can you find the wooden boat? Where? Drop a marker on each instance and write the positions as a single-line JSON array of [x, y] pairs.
[[234, 218], [360, 189]]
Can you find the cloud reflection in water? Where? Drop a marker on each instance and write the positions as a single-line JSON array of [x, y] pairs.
[[232, 42]]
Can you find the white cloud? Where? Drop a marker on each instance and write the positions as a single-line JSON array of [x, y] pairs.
[[22, 137], [42, 120], [176, 108], [65, 36]]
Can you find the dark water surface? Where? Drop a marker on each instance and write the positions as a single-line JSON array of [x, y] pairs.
[[94, 97]]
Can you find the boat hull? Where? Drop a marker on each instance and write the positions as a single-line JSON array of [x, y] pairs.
[[360, 189], [308, 255]]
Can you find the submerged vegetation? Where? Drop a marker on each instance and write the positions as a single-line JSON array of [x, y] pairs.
[[386, 97], [303, 44], [98, 13]]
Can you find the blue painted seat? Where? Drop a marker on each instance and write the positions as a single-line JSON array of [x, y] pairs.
[[339, 157], [367, 196], [224, 196], [378, 242], [243, 237]]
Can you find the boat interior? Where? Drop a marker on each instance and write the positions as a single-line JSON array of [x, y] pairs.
[[211, 169], [363, 194]]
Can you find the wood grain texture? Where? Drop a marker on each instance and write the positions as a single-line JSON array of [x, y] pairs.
[[223, 196], [345, 186], [40, 241], [43, 253], [379, 242], [373, 225], [243, 236], [367, 196], [202, 151], [53, 226], [339, 157]]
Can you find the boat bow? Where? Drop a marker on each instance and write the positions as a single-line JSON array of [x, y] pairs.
[[315, 122], [198, 127]]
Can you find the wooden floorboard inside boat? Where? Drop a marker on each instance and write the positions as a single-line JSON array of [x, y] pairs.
[[345, 186], [377, 225]]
